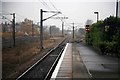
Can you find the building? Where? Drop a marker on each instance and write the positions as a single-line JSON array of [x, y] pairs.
[[54, 31], [26, 26]]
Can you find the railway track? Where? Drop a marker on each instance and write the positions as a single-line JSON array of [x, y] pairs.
[[44, 67]]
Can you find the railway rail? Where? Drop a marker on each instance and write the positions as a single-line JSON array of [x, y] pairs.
[[44, 67]]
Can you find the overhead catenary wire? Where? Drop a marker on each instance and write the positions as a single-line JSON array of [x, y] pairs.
[[58, 10], [45, 4], [20, 15], [63, 22], [48, 7], [53, 5], [5, 12], [3, 17]]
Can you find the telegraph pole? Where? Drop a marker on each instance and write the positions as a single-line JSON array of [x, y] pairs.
[[62, 28], [13, 22], [41, 29], [61, 18], [32, 29], [50, 32], [73, 30], [41, 24]]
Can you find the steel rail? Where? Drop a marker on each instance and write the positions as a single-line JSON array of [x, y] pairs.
[[53, 66], [39, 60]]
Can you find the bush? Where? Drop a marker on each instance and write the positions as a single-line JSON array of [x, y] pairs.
[[108, 48], [102, 47], [107, 39]]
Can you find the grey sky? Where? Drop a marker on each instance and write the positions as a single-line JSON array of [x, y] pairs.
[[77, 11]]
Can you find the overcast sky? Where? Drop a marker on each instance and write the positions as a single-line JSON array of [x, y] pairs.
[[77, 11]]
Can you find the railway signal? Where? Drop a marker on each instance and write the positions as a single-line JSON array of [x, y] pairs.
[[87, 28]]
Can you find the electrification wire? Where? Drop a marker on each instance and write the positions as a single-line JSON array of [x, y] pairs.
[[5, 13], [25, 18], [53, 5], [20, 15], [57, 10], [45, 4], [63, 20], [5, 18]]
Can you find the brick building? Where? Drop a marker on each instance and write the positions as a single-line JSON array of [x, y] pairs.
[[26, 26]]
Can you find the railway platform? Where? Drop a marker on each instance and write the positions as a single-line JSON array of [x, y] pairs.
[[70, 66]]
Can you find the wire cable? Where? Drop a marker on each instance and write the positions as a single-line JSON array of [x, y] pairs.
[[57, 10], [44, 4], [53, 5]]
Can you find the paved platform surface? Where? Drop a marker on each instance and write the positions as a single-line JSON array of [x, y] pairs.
[[70, 65], [79, 69]]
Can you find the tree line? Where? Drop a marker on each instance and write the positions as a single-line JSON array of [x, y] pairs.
[[28, 28], [105, 35]]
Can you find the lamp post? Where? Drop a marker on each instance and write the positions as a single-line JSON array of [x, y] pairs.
[[116, 8], [97, 15]]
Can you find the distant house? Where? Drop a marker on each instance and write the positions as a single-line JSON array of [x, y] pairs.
[[26, 26], [18, 27], [54, 31], [6, 27]]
